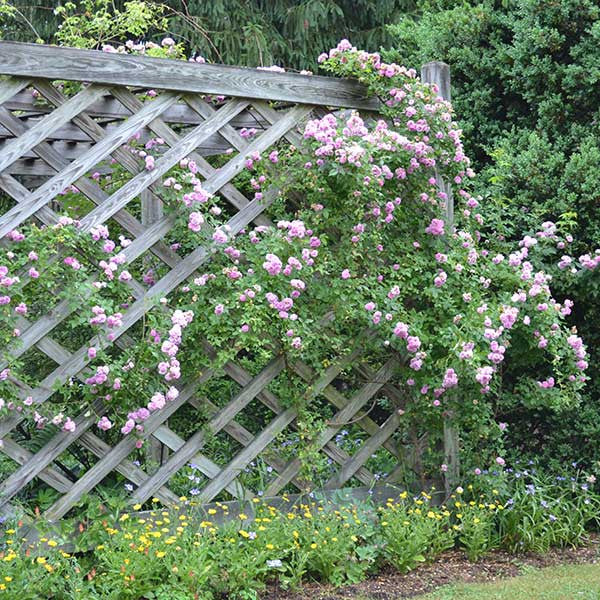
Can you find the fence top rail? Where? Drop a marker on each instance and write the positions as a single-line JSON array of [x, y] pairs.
[[53, 62]]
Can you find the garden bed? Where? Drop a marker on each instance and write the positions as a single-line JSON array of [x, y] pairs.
[[451, 567]]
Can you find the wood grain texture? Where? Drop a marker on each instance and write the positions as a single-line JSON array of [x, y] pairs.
[[78, 168], [39, 131], [103, 467], [339, 420], [218, 422], [206, 466], [47, 62]]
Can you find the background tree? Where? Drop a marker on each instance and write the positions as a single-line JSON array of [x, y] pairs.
[[289, 33]]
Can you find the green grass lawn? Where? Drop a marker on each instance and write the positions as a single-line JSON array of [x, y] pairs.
[[573, 582]]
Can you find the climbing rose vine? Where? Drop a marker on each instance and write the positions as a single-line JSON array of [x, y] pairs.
[[354, 249]]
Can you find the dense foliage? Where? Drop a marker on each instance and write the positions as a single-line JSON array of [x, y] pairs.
[[525, 86], [184, 553]]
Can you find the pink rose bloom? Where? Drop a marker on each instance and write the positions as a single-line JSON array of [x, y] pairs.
[[104, 424], [436, 227]]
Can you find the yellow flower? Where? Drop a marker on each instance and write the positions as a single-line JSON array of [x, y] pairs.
[[212, 511], [244, 533], [160, 554], [476, 520], [52, 543], [313, 546], [8, 579], [155, 500], [269, 547], [242, 517], [40, 560], [124, 517]]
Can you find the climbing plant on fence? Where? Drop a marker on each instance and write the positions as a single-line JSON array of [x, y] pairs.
[[217, 282]]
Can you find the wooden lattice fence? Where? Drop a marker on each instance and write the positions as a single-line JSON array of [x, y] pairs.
[[51, 140]]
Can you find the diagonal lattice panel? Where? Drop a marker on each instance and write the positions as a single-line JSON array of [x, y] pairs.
[[60, 138], [348, 412]]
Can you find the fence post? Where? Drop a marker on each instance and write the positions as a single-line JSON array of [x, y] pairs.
[[439, 73]]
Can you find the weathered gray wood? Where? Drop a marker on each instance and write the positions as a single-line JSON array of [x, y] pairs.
[[177, 275], [12, 86], [154, 233], [14, 217], [239, 433], [451, 454], [364, 452], [438, 73], [110, 111], [95, 132], [161, 129], [116, 455], [20, 193], [87, 439], [49, 475], [15, 148], [170, 439], [140, 182], [339, 421], [195, 443], [228, 132], [242, 377], [45, 62], [88, 187], [247, 455], [339, 401], [271, 116], [54, 448], [129, 470]]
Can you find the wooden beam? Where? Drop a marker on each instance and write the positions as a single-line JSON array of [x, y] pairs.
[[49, 62]]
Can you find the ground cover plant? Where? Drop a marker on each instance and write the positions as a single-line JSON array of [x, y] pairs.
[[181, 551]]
